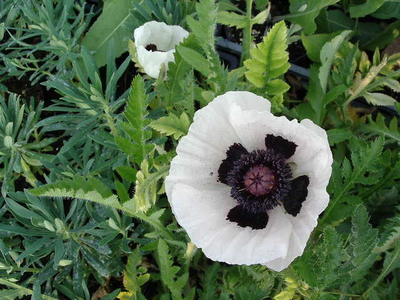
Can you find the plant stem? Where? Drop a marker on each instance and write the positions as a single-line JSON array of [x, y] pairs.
[[247, 39]]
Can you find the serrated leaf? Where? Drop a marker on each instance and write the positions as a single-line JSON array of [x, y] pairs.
[[172, 125], [195, 59], [391, 233], [87, 188], [146, 186], [336, 136], [269, 59], [363, 240], [232, 19], [135, 275], [169, 272], [136, 127], [327, 55], [379, 99], [209, 283], [379, 127], [359, 11]]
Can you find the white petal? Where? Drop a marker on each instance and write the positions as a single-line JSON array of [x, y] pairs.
[[203, 215], [201, 152], [165, 37], [157, 33], [151, 61]]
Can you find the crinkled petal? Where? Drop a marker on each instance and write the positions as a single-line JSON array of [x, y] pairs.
[[165, 37], [312, 158], [201, 151], [203, 215], [201, 203], [157, 33], [151, 61]]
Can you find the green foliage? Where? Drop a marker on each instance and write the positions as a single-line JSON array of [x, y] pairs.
[[172, 125], [379, 127], [363, 240], [22, 144], [304, 12], [136, 127], [268, 62], [110, 27], [97, 146], [169, 272], [135, 275], [327, 55], [270, 59], [360, 169], [361, 10]]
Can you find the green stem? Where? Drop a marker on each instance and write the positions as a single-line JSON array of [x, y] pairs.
[[247, 38], [110, 120], [383, 274], [24, 289]]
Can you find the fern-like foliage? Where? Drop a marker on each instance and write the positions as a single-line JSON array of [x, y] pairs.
[[169, 272], [209, 283], [360, 169], [135, 275], [172, 125], [204, 27], [318, 266], [391, 234], [146, 187], [379, 127], [92, 189], [87, 188], [136, 126], [269, 60], [363, 240]]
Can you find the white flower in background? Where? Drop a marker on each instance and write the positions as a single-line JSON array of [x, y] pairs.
[[155, 45], [247, 186]]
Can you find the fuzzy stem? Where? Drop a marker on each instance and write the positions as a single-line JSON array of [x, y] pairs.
[[247, 39]]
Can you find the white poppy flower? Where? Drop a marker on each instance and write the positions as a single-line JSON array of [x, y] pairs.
[[155, 45], [247, 186]]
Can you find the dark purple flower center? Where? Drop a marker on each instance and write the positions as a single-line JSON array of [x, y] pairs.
[[151, 47], [260, 180]]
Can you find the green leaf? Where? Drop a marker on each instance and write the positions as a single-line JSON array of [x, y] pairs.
[[135, 275], [363, 240], [379, 99], [210, 282], [137, 126], [169, 271], [327, 55], [319, 265], [305, 12], [390, 9], [204, 27], [391, 234], [359, 11], [146, 187], [361, 86], [336, 136], [379, 127], [87, 188], [172, 125], [361, 170], [314, 43], [111, 25], [232, 19], [195, 59], [269, 59]]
